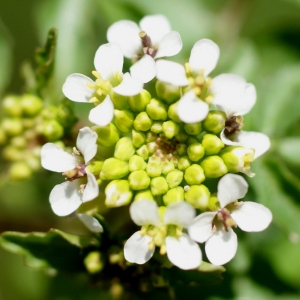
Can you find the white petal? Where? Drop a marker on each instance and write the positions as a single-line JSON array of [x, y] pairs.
[[75, 88], [183, 252], [191, 109], [200, 228], [91, 190], [55, 159], [144, 69], [144, 212], [136, 249], [256, 140], [251, 216], [103, 113], [129, 86], [156, 27], [231, 187], [126, 34], [86, 143], [171, 72], [180, 213], [204, 56], [109, 60], [65, 198], [169, 45], [233, 94], [91, 223], [221, 246]]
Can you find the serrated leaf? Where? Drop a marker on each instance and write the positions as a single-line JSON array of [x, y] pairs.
[[53, 250]]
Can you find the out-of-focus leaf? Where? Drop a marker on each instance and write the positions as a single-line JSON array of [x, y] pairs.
[[289, 149], [54, 250]]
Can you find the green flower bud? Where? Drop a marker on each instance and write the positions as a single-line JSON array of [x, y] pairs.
[[168, 92], [192, 140], [213, 167], [181, 149], [12, 106], [181, 137], [157, 110], [137, 163], [194, 175], [170, 129], [215, 121], [31, 104], [143, 194], [213, 203], [172, 113], [95, 167], [152, 147], [49, 112], [174, 178], [139, 180], [159, 186], [107, 135], [94, 262], [183, 163], [19, 142], [138, 138], [174, 195], [120, 102], [167, 167], [12, 153], [114, 168], [51, 129], [123, 119], [20, 171], [118, 193], [124, 149], [193, 128], [156, 127], [195, 151], [212, 144], [143, 152], [28, 122], [151, 137], [238, 159], [153, 169], [198, 196], [142, 122], [139, 102], [3, 138], [12, 126]]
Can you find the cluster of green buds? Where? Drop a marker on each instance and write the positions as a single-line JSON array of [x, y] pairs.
[[27, 123]]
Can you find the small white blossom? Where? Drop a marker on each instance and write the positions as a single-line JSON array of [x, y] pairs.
[[214, 228], [109, 77], [66, 197], [163, 229]]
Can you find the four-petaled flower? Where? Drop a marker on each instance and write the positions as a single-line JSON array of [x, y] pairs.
[[162, 228], [66, 197], [214, 228], [109, 78]]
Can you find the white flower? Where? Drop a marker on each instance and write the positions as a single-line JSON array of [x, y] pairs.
[[90, 222], [153, 37], [163, 229], [66, 197], [214, 228], [109, 77]]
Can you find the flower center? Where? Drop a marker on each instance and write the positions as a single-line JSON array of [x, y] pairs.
[[77, 172], [224, 216], [148, 48], [233, 124]]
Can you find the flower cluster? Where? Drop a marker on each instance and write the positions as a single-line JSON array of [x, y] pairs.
[[173, 155]]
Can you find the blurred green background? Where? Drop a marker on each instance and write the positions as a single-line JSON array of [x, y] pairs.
[[260, 40]]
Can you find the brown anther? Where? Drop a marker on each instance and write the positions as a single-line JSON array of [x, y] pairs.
[[151, 51], [82, 187], [233, 124]]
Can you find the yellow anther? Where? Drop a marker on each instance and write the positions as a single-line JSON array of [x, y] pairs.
[[94, 100], [163, 249], [188, 68], [82, 187], [214, 229], [91, 85], [191, 80], [238, 203], [96, 74], [142, 34], [99, 81], [197, 90], [230, 222], [200, 80], [178, 232], [70, 173], [75, 151], [99, 92], [209, 99], [151, 245], [80, 174]]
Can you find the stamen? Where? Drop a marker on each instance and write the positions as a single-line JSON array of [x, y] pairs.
[[163, 250], [94, 100], [75, 151], [96, 74], [91, 85], [82, 187]]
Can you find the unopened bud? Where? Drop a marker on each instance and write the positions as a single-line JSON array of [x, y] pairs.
[[168, 92], [182, 136], [94, 262], [181, 149], [174, 195], [12, 126], [142, 122], [95, 167], [123, 119], [213, 203], [114, 168], [138, 138], [107, 135], [183, 163], [167, 167], [12, 153], [137, 163], [215, 121], [20, 171], [195, 151], [12, 106], [31, 104], [170, 129], [119, 101], [156, 127], [193, 128], [174, 178], [51, 129], [212, 144], [143, 152], [192, 140], [159, 186], [172, 113], [124, 149], [139, 102], [139, 180], [143, 194], [153, 169], [213, 167], [157, 110], [19, 142], [194, 175], [198, 196], [118, 193]]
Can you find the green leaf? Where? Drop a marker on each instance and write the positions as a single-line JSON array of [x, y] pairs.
[[53, 250]]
